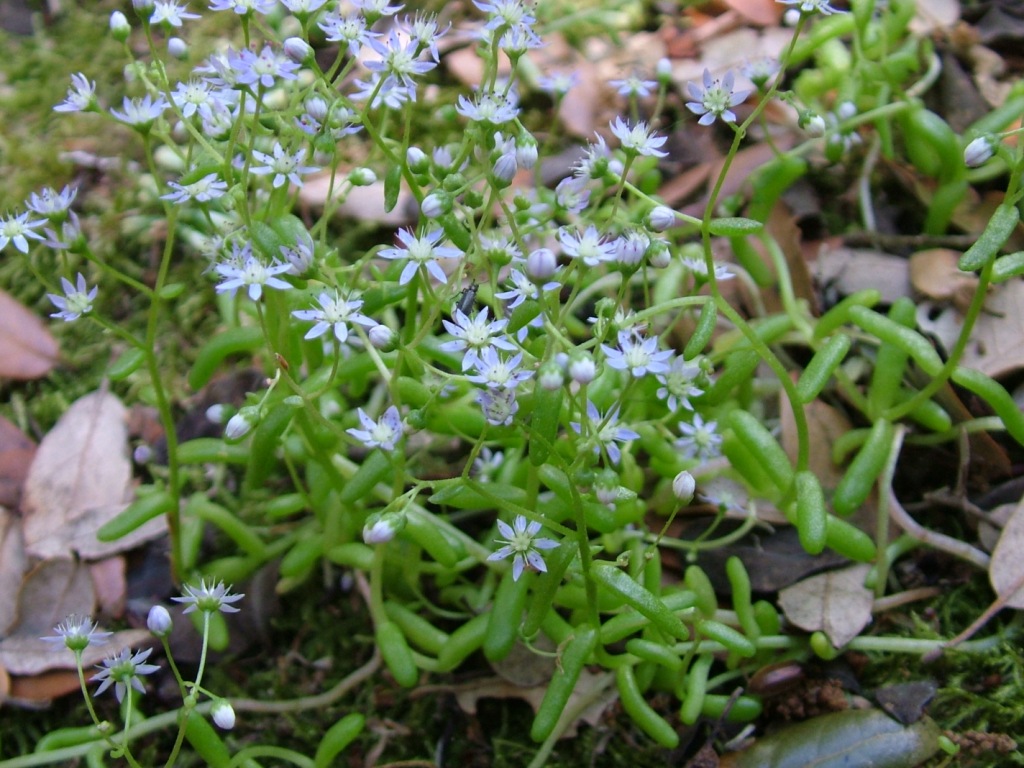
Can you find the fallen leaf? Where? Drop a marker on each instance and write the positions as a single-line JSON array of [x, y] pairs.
[[79, 480], [23, 655], [836, 602], [848, 270], [996, 346], [763, 12], [906, 701], [12, 568], [1006, 569], [48, 594], [110, 584], [588, 685], [37, 691], [934, 273], [16, 454], [854, 737], [27, 350]]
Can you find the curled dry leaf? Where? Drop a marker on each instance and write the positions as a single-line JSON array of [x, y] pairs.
[[27, 350], [836, 602], [848, 270], [1006, 569], [80, 479], [12, 568]]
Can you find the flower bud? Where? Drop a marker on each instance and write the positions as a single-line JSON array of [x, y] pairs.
[[216, 413], [978, 152], [298, 50], [436, 204], [417, 160], [119, 26], [550, 376], [382, 338], [663, 71], [683, 486], [381, 528], [362, 177], [846, 110], [239, 424], [813, 124], [159, 621], [541, 265], [526, 152], [661, 218], [223, 714], [178, 48], [658, 254], [582, 369], [143, 7], [505, 168]]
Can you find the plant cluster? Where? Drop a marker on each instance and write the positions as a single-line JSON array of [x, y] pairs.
[[484, 416]]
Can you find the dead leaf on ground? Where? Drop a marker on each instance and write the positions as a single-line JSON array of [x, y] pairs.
[[848, 270], [586, 686], [996, 346], [763, 12], [27, 350], [111, 585], [1006, 569], [836, 602], [80, 479], [934, 273], [12, 568], [825, 424], [16, 453]]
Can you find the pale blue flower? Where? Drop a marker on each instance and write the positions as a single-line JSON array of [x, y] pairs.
[[77, 633], [17, 230], [638, 139], [474, 335], [208, 598], [700, 439], [335, 312], [81, 95], [286, 166], [122, 670], [716, 99], [383, 433], [522, 544], [76, 301], [603, 432], [421, 251], [243, 269], [637, 355]]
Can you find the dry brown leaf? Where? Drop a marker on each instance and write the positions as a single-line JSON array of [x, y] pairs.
[[5, 685], [848, 270], [111, 585], [825, 425], [16, 454], [836, 602], [996, 346], [763, 12], [79, 480], [23, 655], [1006, 569], [935, 16], [588, 683], [934, 273], [12, 568], [39, 690], [27, 350], [48, 594]]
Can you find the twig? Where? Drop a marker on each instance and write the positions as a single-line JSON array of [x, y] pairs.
[[939, 541]]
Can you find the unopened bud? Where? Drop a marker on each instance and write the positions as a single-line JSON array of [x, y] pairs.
[[119, 26], [159, 621], [362, 177], [382, 338], [683, 486], [661, 218], [223, 714], [978, 152], [298, 50]]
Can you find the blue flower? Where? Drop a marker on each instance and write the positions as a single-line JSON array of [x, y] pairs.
[[637, 355], [522, 544], [474, 335], [421, 251], [335, 312], [123, 669], [715, 99], [76, 301], [603, 432], [383, 433]]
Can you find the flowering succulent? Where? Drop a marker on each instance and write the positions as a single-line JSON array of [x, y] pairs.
[[383, 433], [208, 598], [76, 301], [123, 670], [715, 99], [521, 543], [77, 633]]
